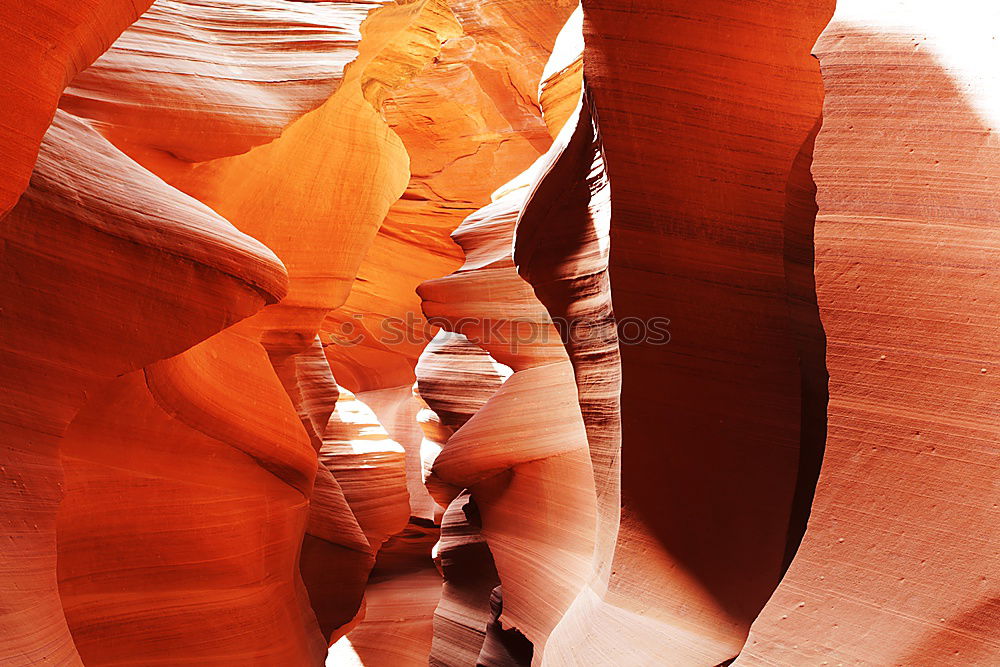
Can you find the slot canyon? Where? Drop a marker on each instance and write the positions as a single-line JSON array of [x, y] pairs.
[[500, 333]]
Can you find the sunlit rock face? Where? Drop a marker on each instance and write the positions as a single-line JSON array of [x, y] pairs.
[[46, 43], [898, 565], [499, 332]]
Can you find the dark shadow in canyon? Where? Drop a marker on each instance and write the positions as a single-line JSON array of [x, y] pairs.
[[809, 336], [701, 127], [916, 243]]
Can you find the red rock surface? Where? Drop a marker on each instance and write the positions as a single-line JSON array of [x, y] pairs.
[[46, 43], [499, 332], [899, 562], [119, 270], [700, 133]]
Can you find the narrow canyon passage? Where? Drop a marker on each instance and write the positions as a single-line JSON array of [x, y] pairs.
[[499, 333]]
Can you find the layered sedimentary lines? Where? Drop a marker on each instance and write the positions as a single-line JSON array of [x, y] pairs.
[[99, 272], [499, 332], [699, 148], [46, 44], [209, 79], [902, 539]]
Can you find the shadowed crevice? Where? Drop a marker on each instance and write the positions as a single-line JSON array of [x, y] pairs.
[[808, 334]]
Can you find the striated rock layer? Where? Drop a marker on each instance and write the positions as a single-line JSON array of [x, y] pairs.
[[206, 390], [499, 333], [120, 271], [901, 543], [46, 43], [700, 134]]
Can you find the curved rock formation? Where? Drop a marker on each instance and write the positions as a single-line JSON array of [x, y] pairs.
[[901, 540], [192, 389], [211, 79], [502, 458], [503, 333], [46, 44], [461, 148], [710, 422], [118, 270]]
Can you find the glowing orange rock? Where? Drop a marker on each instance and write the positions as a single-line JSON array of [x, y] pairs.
[[268, 422], [527, 445], [674, 285], [202, 80], [45, 44], [118, 270]]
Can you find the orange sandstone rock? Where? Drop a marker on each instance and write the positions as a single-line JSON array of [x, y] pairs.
[[700, 133], [201, 79], [45, 44], [715, 381], [898, 563], [118, 270], [271, 412]]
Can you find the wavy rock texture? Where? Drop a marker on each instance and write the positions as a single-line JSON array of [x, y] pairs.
[[192, 389], [121, 270], [46, 44], [207, 79], [700, 134], [457, 378], [499, 333], [898, 565], [467, 132], [358, 451], [497, 455], [486, 130]]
